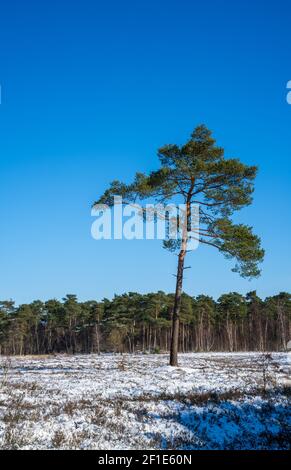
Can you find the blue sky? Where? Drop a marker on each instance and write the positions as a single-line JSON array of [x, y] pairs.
[[90, 90]]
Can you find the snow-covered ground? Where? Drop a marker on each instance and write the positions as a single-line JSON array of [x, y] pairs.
[[211, 401]]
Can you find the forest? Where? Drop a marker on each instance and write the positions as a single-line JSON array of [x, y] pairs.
[[135, 322]]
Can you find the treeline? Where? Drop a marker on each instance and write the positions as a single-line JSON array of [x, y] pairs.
[[133, 322]]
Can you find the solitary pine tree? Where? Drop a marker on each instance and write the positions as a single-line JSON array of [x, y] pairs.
[[198, 173]]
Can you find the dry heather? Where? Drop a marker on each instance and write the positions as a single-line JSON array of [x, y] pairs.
[[212, 401]]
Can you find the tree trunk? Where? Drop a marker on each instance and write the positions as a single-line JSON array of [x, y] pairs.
[[176, 311], [179, 283]]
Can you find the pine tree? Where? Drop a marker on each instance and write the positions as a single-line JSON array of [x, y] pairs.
[[198, 173]]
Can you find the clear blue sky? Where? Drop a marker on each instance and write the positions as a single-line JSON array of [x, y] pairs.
[[90, 90]]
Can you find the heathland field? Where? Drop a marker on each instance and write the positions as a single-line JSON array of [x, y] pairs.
[[211, 401]]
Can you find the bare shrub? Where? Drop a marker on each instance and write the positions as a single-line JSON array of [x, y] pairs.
[[5, 366], [122, 365], [267, 367]]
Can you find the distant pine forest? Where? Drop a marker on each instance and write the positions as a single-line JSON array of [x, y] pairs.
[[134, 322]]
